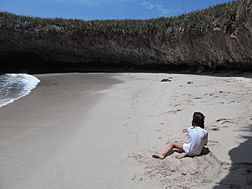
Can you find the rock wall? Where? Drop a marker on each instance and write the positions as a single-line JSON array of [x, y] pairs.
[[219, 46]]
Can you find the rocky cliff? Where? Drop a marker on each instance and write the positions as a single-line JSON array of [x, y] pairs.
[[215, 38]]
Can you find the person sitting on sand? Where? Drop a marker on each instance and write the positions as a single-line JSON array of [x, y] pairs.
[[197, 137]]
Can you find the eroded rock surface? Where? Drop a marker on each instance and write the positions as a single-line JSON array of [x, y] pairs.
[[200, 40]]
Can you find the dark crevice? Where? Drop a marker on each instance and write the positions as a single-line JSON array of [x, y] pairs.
[[23, 62]]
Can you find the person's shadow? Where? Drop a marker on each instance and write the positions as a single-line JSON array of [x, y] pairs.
[[240, 172], [205, 151]]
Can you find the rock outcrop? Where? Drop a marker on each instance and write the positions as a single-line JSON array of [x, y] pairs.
[[215, 38]]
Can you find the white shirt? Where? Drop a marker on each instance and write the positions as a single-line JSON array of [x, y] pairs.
[[197, 139]]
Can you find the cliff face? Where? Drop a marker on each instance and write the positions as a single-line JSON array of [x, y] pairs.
[[215, 38]]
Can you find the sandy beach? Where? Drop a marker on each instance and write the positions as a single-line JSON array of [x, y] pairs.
[[99, 130]]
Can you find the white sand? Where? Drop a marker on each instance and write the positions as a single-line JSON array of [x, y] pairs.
[[78, 131]]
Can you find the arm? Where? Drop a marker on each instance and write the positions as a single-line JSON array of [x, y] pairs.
[[206, 139], [184, 131]]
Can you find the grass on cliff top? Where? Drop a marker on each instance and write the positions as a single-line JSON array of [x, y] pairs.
[[195, 23]]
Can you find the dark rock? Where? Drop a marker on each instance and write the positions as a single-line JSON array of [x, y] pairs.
[[165, 80]]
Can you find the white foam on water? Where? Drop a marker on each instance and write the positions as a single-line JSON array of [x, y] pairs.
[[15, 86]]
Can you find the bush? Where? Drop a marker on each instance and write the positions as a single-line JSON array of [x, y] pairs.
[[195, 24]]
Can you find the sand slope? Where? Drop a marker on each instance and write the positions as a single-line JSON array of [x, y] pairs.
[[100, 130]]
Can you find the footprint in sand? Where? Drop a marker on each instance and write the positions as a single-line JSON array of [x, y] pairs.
[[198, 98], [169, 171], [134, 177], [223, 121], [212, 143], [174, 111], [228, 80], [215, 129]]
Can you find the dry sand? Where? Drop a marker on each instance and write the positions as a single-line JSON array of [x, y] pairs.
[[78, 131]]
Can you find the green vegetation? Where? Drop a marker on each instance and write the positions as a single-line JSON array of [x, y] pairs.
[[194, 24]]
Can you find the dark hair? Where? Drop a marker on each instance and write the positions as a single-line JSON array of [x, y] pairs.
[[198, 119]]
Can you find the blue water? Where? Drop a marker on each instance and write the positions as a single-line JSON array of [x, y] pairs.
[[15, 86]]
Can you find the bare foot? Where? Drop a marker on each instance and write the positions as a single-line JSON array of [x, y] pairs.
[[158, 156], [180, 156]]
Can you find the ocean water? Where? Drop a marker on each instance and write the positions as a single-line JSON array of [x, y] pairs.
[[15, 86]]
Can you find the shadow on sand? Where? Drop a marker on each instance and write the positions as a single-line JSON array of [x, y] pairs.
[[240, 172]]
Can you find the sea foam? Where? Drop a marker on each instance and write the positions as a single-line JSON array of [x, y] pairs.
[[15, 86]]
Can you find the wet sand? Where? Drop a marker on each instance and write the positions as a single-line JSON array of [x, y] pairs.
[[100, 131]]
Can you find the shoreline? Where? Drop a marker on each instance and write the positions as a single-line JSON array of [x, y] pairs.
[[91, 130]]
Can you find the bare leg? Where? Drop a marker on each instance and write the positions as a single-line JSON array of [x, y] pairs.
[[180, 156], [169, 150]]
